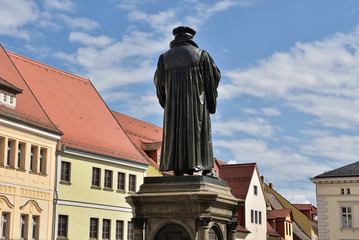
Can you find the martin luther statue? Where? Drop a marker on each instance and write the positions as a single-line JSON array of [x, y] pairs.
[[186, 81]]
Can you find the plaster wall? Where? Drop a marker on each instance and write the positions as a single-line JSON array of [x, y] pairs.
[[256, 203]]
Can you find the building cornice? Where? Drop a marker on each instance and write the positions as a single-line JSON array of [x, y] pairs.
[[336, 180], [94, 205], [123, 162], [29, 129]]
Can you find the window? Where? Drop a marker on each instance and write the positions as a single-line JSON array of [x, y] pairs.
[[4, 225], [256, 217], [108, 179], [20, 155], [32, 159], [62, 226], [121, 181], [260, 217], [106, 226], [4, 97], [93, 228], [347, 217], [11, 99], [252, 216], [43, 155], [35, 227], [23, 224], [96, 177], [10, 146], [255, 190], [65, 171], [348, 191], [119, 230], [132, 183], [342, 191], [129, 231]]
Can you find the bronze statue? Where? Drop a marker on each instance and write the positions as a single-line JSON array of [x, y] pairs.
[[186, 81]]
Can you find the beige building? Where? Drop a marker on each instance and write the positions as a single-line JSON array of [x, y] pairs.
[[28, 141], [338, 203]]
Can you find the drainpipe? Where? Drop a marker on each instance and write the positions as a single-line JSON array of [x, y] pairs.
[[59, 151]]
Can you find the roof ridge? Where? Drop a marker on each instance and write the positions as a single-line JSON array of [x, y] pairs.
[[48, 67], [136, 119]]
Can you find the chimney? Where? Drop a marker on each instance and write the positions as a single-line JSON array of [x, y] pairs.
[[262, 179], [271, 185]]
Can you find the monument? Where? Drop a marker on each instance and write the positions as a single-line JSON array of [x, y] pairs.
[[185, 206]]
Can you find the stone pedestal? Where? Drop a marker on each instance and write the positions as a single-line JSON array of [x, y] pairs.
[[184, 208]]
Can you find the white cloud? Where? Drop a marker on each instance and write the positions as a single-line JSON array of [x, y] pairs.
[[320, 78], [255, 127], [60, 5], [80, 22], [15, 14], [86, 39], [270, 112], [343, 148]]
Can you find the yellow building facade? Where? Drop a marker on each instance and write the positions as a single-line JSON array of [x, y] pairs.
[[338, 203], [91, 201], [27, 179]]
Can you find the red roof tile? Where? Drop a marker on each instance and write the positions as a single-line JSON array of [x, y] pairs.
[[303, 206], [238, 177], [75, 106], [280, 213], [28, 110], [240, 228], [271, 231], [144, 135]]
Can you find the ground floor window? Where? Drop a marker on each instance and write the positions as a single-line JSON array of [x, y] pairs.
[[23, 224], [119, 230], [62, 226], [347, 217], [35, 227], [93, 228], [130, 233], [5, 225]]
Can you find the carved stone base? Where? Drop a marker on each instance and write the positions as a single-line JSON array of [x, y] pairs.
[[184, 208]]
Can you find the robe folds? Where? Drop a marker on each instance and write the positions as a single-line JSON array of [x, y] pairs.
[[186, 81]]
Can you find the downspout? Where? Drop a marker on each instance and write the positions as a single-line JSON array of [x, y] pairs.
[[59, 151]]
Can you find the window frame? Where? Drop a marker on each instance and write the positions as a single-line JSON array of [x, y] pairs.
[[35, 222], [106, 229], [255, 190], [23, 226], [119, 230], [94, 224], [130, 230], [132, 181], [344, 216], [65, 173], [62, 226], [108, 179], [96, 177], [121, 181], [5, 223]]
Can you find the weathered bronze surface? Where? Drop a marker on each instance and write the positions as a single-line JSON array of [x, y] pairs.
[[186, 81]]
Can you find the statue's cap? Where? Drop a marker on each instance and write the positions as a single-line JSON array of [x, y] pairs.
[[183, 31]]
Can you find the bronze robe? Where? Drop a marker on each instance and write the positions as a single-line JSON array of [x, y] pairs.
[[186, 81]]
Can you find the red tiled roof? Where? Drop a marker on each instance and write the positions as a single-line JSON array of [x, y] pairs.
[[271, 231], [280, 213], [238, 177], [75, 106], [307, 207], [144, 135], [28, 110], [240, 228]]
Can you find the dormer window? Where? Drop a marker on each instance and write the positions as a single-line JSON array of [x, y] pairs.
[[8, 93]]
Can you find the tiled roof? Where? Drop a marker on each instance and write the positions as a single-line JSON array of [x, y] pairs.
[[28, 110], [240, 228], [75, 106], [238, 177], [351, 170], [144, 135], [280, 213], [303, 206], [271, 231], [6, 85]]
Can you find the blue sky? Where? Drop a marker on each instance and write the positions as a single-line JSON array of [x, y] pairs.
[[289, 94]]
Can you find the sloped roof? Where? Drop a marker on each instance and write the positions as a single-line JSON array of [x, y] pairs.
[[271, 231], [279, 213], [28, 110], [307, 207], [238, 177], [240, 228], [351, 170], [77, 109], [144, 135]]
